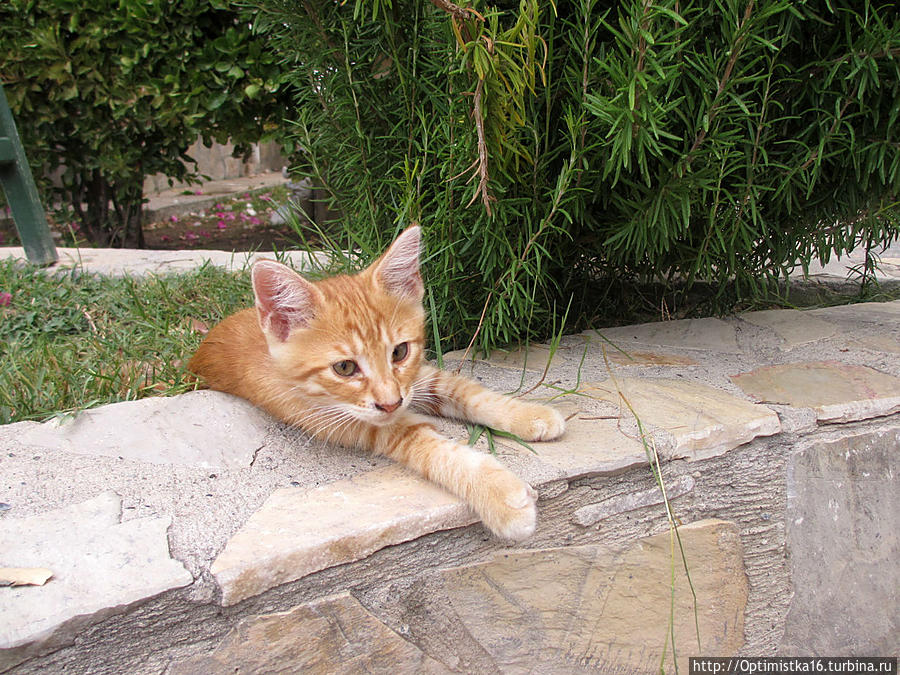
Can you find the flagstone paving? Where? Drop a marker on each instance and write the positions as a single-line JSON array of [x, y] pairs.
[[325, 558]]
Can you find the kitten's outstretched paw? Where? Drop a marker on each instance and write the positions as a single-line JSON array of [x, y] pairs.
[[510, 511], [534, 422]]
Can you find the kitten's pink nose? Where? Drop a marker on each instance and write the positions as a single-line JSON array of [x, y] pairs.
[[389, 407]]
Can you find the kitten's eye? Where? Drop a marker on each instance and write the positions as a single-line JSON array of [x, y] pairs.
[[345, 368], [400, 352]]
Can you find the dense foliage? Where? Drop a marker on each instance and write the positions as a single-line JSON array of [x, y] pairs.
[[549, 149], [106, 92]]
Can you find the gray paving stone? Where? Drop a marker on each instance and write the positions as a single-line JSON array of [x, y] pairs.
[[863, 312], [100, 567], [297, 532], [792, 326], [594, 513], [696, 334], [843, 545], [702, 420], [838, 392], [331, 635], [595, 608], [200, 428]]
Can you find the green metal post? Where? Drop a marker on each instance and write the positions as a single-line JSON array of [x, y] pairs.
[[21, 193]]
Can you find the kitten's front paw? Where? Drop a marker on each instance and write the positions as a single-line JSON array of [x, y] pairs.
[[509, 510], [535, 422]]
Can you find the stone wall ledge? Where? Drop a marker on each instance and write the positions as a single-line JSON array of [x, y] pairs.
[[200, 509]]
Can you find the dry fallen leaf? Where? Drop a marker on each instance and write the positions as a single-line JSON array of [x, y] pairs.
[[24, 576], [198, 326]]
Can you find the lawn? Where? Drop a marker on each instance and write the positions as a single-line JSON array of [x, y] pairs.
[[70, 341]]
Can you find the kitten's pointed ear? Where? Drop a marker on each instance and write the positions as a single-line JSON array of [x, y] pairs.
[[397, 270], [284, 299]]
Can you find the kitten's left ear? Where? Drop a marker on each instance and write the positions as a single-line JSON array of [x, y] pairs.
[[397, 270]]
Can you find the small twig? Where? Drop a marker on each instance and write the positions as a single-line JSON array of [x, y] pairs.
[[89, 320], [482, 163], [457, 12]]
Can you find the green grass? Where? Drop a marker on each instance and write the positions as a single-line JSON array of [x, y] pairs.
[[69, 342]]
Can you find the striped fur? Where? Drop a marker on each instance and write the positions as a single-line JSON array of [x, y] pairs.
[[289, 355]]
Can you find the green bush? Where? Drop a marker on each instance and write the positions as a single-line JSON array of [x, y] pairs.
[[554, 150], [106, 92]]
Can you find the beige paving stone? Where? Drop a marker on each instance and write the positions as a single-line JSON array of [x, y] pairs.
[[792, 326], [599, 609], [703, 334], [703, 421], [875, 343], [300, 531], [100, 567], [838, 392], [200, 428], [331, 635]]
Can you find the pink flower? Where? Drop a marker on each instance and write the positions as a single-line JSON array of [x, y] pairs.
[[173, 218], [198, 192], [230, 216], [204, 233], [266, 197], [255, 221], [190, 236], [244, 217], [220, 214], [221, 225], [5, 299], [246, 195]]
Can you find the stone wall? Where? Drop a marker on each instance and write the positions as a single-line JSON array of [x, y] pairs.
[[218, 163], [778, 437]]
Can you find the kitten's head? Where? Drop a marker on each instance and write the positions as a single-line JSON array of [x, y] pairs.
[[350, 344]]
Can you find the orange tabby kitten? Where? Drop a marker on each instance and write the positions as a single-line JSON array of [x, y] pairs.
[[342, 359]]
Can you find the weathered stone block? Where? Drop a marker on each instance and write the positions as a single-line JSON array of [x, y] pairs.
[[297, 532], [703, 421], [843, 542], [594, 608]]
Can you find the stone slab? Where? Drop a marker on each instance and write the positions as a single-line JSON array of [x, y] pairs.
[[863, 312], [838, 392], [843, 502], [594, 608], [876, 343], [100, 567], [591, 446], [300, 531], [331, 635], [708, 334], [794, 327], [592, 514], [703, 421], [120, 262], [200, 428]]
